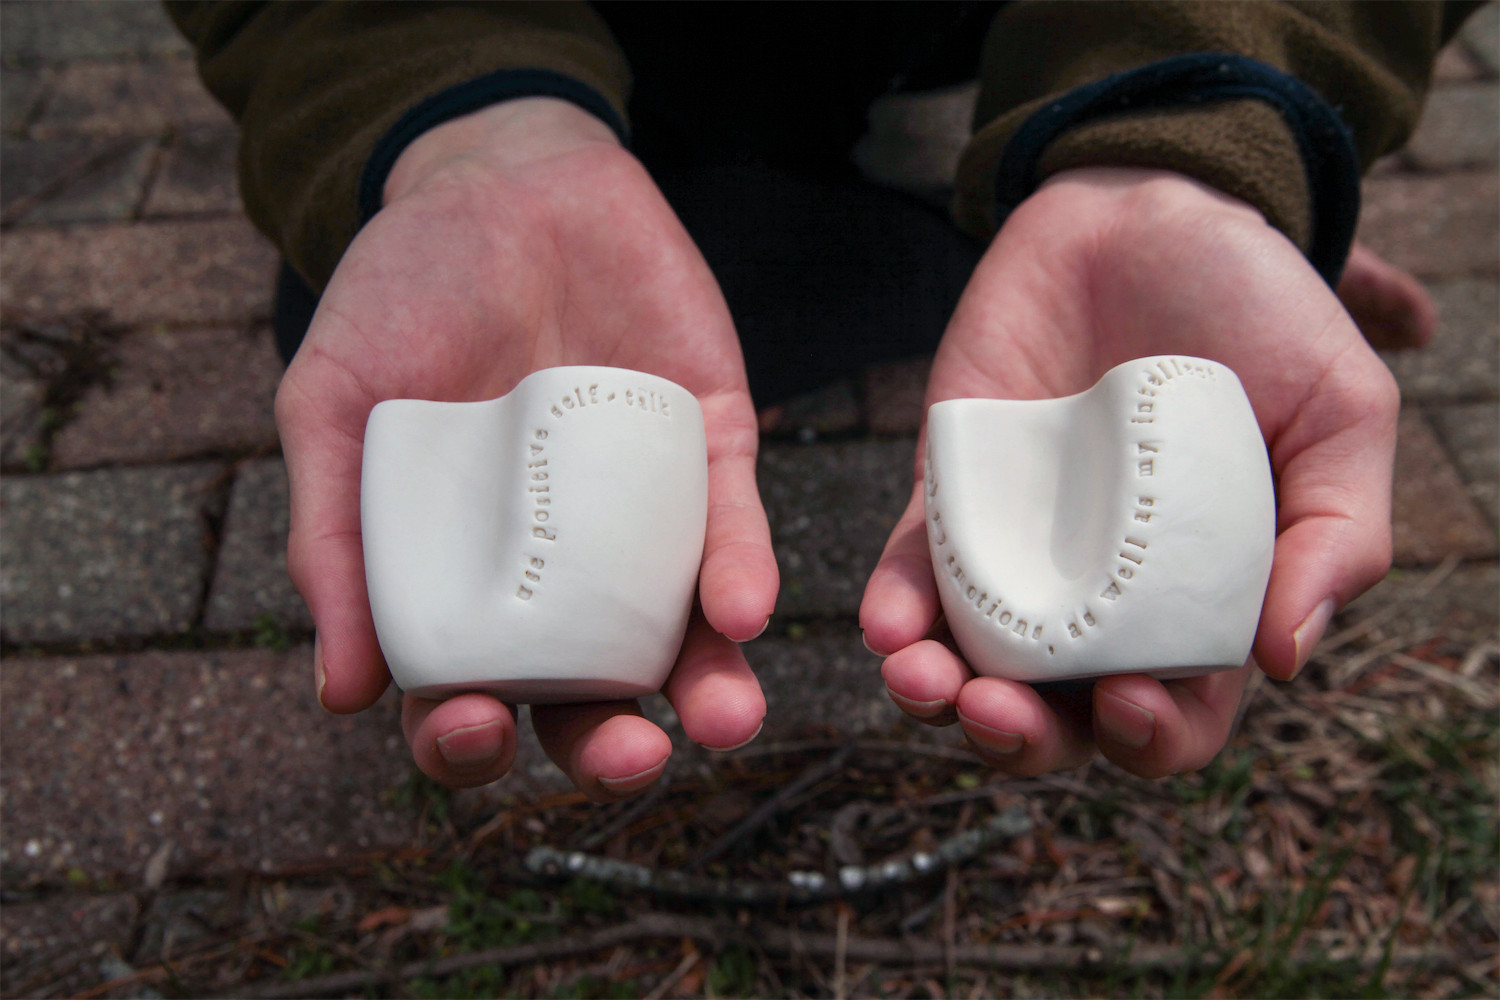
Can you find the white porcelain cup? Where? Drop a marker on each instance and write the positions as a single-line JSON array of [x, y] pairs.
[[1126, 529], [543, 546]]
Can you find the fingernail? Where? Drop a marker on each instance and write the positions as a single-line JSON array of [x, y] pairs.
[[1132, 728], [921, 709], [992, 741], [737, 745], [865, 639], [631, 782], [1305, 638], [763, 626], [319, 678], [472, 746]]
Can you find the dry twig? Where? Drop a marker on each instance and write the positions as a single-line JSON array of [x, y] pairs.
[[674, 977], [783, 941], [1432, 581], [769, 808]]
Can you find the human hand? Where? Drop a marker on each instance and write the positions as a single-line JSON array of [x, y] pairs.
[[517, 238], [1098, 267], [1391, 307]]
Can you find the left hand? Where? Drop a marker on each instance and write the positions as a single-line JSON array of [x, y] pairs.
[[1098, 267], [521, 237]]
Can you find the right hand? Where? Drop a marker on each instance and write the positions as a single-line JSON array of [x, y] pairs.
[[1097, 267], [517, 238]]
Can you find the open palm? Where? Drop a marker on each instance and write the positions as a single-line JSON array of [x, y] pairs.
[[1101, 266], [523, 238]]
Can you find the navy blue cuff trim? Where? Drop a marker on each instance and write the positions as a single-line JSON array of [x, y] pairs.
[[1324, 141], [471, 95]]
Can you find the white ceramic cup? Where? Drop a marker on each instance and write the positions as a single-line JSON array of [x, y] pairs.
[[543, 546], [1127, 529]]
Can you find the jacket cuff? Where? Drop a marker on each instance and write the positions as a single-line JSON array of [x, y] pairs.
[[318, 87], [466, 97], [1239, 125]]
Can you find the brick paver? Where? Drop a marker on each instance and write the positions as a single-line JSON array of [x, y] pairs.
[[1434, 226], [129, 98], [1460, 127], [1431, 513], [1463, 360], [831, 509], [87, 29], [225, 755], [250, 578], [832, 661], [32, 165], [105, 555], [196, 175], [176, 394], [20, 89], [106, 188], [21, 397], [1481, 37], [1472, 435], [209, 271]]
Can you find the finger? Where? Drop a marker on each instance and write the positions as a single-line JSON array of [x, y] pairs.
[[714, 691], [924, 680], [325, 553], [738, 581], [1334, 467], [607, 749], [1015, 730], [1154, 729], [465, 741], [1391, 307], [901, 599]]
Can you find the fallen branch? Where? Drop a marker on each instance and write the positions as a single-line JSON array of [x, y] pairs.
[[343, 982], [800, 886], [775, 940], [211, 950]]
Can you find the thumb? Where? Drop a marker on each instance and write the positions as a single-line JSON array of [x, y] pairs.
[[1334, 463]]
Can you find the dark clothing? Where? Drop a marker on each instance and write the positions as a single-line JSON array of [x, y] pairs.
[[317, 87], [745, 114]]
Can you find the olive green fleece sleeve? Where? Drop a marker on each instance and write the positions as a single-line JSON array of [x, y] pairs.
[[315, 86], [1369, 61]]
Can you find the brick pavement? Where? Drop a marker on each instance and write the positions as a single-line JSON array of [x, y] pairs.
[[149, 744], [174, 394], [144, 501], [109, 554]]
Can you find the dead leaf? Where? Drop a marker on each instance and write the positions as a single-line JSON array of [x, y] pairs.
[[382, 918]]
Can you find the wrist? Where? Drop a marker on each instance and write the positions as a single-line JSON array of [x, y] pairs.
[[503, 136], [1130, 209]]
